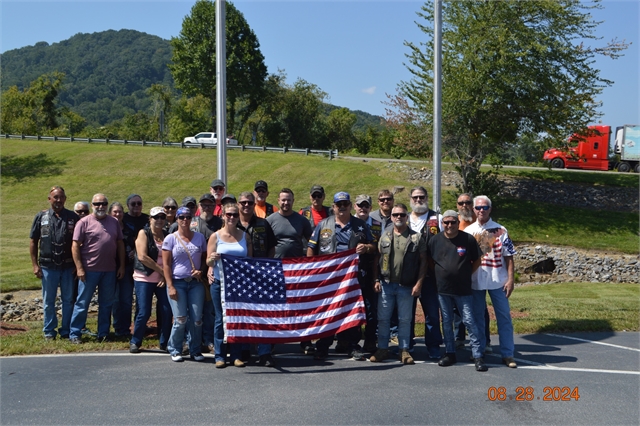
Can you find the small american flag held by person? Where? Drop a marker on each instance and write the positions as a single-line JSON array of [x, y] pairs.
[[290, 300]]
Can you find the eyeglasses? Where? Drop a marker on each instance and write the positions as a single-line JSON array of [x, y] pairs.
[[485, 208], [317, 195], [184, 217], [464, 203], [246, 203], [159, 217], [449, 222], [101, 203], [232, 215], [82, 211], [398, 214], [385, 200], [136, 203], [169, 207], [418, 197], [218, 188], [343, 204]]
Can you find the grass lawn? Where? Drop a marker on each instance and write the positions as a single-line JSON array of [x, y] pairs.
[[549, 308], [30, 168]]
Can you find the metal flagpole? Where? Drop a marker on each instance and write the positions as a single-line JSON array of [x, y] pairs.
[[437, 103], [221, 91]]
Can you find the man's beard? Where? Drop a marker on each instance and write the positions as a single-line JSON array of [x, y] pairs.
[[419, 209], [100, 213], [466, 215], [204, 215]]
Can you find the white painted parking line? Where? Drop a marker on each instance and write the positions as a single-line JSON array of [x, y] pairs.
[[592, 341]]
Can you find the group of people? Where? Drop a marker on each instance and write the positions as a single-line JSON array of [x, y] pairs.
[[447, 261]]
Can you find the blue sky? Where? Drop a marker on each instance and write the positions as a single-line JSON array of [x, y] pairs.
[[353, 50]]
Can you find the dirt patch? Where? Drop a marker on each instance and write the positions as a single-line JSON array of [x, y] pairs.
[[7, 329]]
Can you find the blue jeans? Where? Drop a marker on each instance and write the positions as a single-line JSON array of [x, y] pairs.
[[51, 279], [392, 295], [218, 329], [465, 307], [503, 318], [187, 313], [460, 331], [123, 303], [208, 322], [144, 296], [106, 284]]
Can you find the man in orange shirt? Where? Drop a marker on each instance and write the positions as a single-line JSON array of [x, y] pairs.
[[262, 208]]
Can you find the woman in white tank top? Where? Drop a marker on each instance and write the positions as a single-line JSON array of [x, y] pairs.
[[228, 240]]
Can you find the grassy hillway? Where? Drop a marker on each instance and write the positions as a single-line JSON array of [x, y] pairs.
[[30, 168]]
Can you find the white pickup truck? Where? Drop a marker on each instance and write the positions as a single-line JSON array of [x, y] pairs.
[[207, 138]]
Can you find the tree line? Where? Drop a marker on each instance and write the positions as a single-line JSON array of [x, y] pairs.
[[517, 77]]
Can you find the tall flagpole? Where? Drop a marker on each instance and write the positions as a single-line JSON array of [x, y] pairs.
[[221, 91], [437, 103]]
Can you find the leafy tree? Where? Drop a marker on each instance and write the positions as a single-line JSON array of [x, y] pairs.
[[188, 117], [340, 129], [509, 68], [194, 60]]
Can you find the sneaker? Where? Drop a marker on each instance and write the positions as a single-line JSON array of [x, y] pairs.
[[447, 360], [380, 355], [221, 364], [510, 362], [133, 348], [488, 349], [459, 344], [406, 358], [177, 358], [266, 361], [88, 332], [238, 363], [49, 338], [342, 347], [75, 341], [480, 365], [393, 340], [320, 355], [357, 355], [434, 352], [197, 357], [308, 350]]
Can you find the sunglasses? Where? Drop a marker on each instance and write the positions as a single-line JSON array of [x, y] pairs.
[[343, 204], [449, 222], [363, 205], [159, 217], [464, 203], [169, 207], [218, 188], [317, 195], [385, 200], [184, 217], [247, 203], [136, 203], [261, 190], [232, 215], [82, 211], [418, 197], [207, 205], [102, 203], [485, 208], [398, 214]]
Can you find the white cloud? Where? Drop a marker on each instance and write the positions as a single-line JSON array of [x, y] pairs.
[[369, 90]]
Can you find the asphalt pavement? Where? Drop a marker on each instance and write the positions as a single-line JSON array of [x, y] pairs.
[[578, 378]]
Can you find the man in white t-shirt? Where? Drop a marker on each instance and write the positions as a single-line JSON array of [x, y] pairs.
[[495, 276]]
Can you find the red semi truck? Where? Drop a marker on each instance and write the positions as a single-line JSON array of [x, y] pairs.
[[591, 151]]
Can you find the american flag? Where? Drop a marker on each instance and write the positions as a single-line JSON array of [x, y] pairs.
[[290, 300]]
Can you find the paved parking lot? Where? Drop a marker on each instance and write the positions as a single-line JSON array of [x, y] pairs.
[[600, 370]]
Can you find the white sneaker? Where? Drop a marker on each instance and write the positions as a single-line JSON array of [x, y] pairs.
[[177, 358]]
